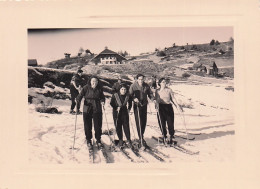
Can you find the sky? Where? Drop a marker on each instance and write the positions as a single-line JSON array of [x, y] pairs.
[[47, 45]]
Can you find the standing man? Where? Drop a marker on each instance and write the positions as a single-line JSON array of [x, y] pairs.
[[75, 88], [139, 91], [116, 86]]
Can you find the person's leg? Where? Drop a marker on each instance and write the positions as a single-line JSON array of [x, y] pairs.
[[115, 116], [87, 119], [137, 121], [119, 130], [162, 119], [170, 120], [143, 118], [126, 126], [74, 93], [97, 117]]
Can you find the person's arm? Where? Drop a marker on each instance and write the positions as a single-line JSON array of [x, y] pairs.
[[81, 94], [73, 82], [129, 103], [150, 94], [174, 101], [114, 88], [102, 96], [113, 102]]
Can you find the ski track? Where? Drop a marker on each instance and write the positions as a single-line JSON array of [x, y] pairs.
[[51, 135]]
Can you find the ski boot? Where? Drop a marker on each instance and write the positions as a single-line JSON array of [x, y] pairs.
[[172, 141], [143, 144], [78, 112], [121, 144], [99, 145], [89, 144], [129, 144]]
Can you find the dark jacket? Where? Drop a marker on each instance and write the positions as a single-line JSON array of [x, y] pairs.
[[116, 87], [93, 99], [122, 101], [141, 92], [78, 80]]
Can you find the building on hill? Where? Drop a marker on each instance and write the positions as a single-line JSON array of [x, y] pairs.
[[108, 57], [32, 62], [212, 69], [67, 55]]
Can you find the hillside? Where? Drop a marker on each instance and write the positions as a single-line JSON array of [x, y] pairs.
[[166, 62]]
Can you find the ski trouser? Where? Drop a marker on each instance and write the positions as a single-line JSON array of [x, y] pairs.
[[143, 119], [121, 121], [166, 115], [97, 119], [74, 93]]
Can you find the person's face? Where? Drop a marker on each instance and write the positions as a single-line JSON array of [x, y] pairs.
[[123, 91], [140, 80], [163, 83], [93, 82], [119, 80]]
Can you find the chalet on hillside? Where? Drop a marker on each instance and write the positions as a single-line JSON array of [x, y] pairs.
[[32, 62], [108, 57]]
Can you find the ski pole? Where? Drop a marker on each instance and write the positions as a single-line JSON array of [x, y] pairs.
[[131, 124], [139, 121], [182, 115], [74, 133], [150, 108], [160, 123], [108, 128]]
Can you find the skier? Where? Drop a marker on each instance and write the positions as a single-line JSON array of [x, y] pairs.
[[153, 83], [164, 97], [139, 91], [122, 103], [75, 88], [92, 109], [116, 86]]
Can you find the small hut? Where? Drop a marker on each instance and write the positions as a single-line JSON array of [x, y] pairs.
[[212, 69], [32, 62]]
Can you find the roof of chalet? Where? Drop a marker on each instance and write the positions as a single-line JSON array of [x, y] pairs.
[[109, 52]]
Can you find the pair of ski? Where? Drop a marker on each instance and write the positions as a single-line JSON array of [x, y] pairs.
[[176, 146], [92, 154], [153, 152], [180, 136]]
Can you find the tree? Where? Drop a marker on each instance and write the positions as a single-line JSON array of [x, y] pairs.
[[212, 42], [126, 53], [88, 51], [217, 43], [81, 50]]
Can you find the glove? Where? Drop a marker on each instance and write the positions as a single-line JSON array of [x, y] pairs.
[[136, 100]]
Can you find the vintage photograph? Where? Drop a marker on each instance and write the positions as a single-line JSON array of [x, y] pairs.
[[131, 95]]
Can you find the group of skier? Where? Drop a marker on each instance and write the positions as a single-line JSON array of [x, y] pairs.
[[124, 98]]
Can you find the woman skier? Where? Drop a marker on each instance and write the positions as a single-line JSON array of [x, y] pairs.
[[121, 104], [164, 98]]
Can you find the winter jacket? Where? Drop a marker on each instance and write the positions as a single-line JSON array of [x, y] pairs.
[[141, 92], [121, 101], [79, 81], [93, 99]]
